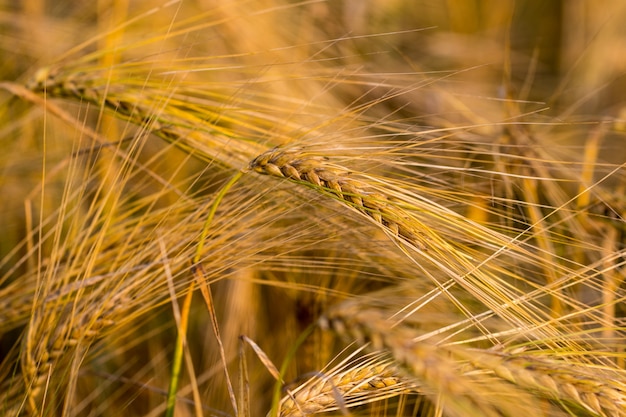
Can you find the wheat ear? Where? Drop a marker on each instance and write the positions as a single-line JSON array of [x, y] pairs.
[[57, 335], [163, 112], [600, 391], [317, 172], [353, 382]]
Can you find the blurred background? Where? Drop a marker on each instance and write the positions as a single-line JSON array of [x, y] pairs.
[[562, 52]]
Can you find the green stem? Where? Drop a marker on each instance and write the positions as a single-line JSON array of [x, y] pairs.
[[178, 354], [209, 220], [283, 369]]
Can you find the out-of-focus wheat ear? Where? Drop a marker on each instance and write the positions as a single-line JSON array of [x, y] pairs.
[[12, 396], [57, 335], [359, 381], [15, 305], [317, 172], [150, 107], [597, 390]]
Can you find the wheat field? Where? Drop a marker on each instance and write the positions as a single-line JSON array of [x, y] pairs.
[[322, 207]]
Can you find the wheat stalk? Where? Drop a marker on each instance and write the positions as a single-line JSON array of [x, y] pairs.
[[406, 222]]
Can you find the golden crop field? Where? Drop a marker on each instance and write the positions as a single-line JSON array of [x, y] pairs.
[[237, 208]]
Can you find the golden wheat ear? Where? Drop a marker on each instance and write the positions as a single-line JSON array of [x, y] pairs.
[[597, 390], [357, 380], [319, 173]]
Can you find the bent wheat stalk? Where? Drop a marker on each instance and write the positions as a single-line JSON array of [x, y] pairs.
[[437, 234], [174, 114]]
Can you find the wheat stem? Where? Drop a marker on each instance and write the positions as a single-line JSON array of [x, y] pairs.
[[209, 220], [275, 410], [181, 336]]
